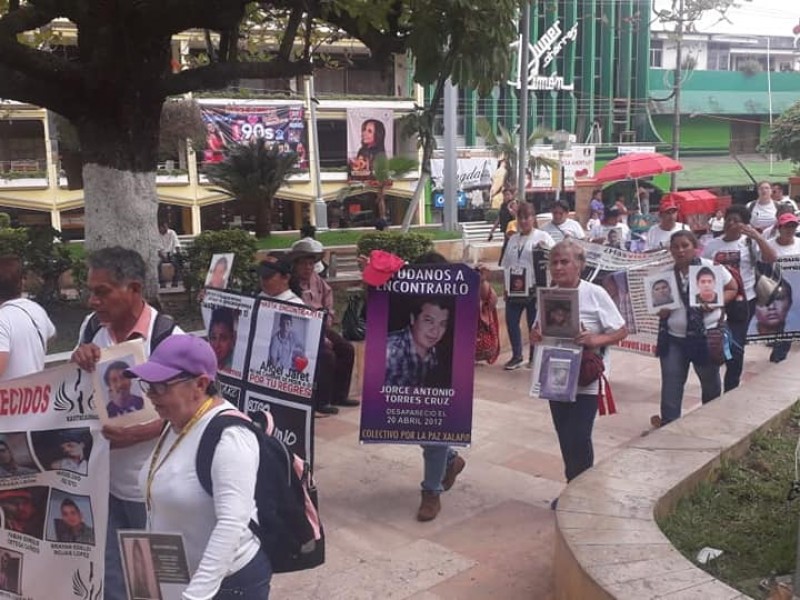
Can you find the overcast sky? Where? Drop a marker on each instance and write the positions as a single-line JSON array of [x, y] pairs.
[[759, 17]]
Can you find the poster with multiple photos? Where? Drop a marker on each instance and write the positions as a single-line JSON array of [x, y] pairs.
[[268, 359], [54, 466], [661, 292]]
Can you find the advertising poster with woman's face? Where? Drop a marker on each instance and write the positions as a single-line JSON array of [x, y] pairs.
[[370, 133], [779, 319]]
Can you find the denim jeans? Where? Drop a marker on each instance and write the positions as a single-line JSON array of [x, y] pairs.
[[122, 514], [514, 310], [734, 367], [573, 422], [436, 460], [674, 371], [251, 582]]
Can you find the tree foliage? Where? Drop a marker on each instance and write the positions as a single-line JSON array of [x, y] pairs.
[[253, 173], [784, 136]]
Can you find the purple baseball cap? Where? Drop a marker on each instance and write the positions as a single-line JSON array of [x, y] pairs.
[[176, 355]]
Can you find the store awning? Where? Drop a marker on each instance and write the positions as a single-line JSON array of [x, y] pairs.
[[723, 171]]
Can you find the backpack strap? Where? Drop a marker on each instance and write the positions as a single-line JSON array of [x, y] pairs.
[[210, 439], [93, 325], [163, 327]]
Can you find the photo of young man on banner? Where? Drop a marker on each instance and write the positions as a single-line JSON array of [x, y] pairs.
[[423, 321], [779, 318]]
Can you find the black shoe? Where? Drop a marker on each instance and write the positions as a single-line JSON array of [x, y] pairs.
[[328, 410], [513, 364], [347, 402]]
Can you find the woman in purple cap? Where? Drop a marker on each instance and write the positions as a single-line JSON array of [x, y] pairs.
[[223, 553]]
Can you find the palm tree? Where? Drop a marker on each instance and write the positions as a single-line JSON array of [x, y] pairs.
[[506, 145], [384, 172], [253, 173]]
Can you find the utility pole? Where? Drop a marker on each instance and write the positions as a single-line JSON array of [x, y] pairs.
[[320, 208], [523, 100], [676, 93], [450, 163]]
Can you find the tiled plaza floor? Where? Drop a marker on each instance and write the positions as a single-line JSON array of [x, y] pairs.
[[494, 536]]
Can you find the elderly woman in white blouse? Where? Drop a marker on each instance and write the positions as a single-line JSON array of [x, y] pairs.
[[224, 555]]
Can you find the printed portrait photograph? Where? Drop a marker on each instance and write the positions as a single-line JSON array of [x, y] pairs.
[[661, 292], [558, 314], [287, 345], [705, 285], [10, 570], [558, 373], [70, 519], [140, 574], [24, 510], [618, 287], [614, 237], [119, 394], [419, 346], [222, 329], [16, 457], [518, 281], [781, 314], [63, 449], [219, 271]]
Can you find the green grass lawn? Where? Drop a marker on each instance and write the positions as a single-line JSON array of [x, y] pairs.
[[745, 513]]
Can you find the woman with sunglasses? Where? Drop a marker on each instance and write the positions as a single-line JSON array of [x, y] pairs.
[[223, 553]]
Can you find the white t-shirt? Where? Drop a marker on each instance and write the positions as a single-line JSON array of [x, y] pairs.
[[735, 254], [286, 296], [762, 215], [677, 321], [598, 314], [24, 337], [215, 531], [126, 462], [169, 241], [792, 249], [567, 228], [716, 225], [519, 251], [658, 238], [601, 231]]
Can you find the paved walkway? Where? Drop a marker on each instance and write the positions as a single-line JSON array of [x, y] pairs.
[[494, 536]]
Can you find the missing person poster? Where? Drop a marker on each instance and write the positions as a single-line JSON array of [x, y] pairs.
[[779, 319], [268, 360], [154, 565], [119, 400], [423, 321], [53, 487]]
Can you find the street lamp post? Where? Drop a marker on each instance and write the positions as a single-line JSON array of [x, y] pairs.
[[561, 142]]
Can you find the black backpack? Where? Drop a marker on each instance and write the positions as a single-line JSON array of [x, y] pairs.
[[162, 328], [288, 525]]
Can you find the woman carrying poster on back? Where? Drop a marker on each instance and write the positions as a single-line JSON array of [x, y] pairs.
[[785, 244]]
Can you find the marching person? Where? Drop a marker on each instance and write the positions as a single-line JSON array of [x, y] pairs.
[[224, 555], [504, 216], [519, 259], [659, 236], [602, 326], [116, 282], [25, 327], [682, 334], [763, 209], [785, 244], [560, 226]]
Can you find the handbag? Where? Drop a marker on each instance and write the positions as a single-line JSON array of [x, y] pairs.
[[716, 339], [354, 326], [593, 369]]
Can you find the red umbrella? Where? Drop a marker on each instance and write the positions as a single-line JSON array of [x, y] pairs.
[[636, 165]]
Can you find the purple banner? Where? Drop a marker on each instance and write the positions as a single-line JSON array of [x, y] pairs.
[[421, 322]]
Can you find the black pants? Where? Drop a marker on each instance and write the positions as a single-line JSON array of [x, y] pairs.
[[574, 422], [734, 366], [336, 370]]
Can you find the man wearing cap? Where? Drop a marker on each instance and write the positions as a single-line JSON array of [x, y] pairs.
[[658, 236], [25, 327], [337, 354], [276, 273], [115, 282]]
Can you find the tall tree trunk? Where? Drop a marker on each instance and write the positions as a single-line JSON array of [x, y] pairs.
[[263, 217]]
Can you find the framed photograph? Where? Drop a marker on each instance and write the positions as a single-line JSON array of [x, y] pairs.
[[10, 570], [219, 271], [121, 401], [705, 285], [154, 565], [559, 313], [615, 237], [518, 281], [556, 371], [661, 291]]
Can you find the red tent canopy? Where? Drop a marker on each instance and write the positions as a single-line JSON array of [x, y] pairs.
[[694, 207]]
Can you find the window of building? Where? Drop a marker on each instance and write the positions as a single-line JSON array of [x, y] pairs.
[[332, 143], [719, 57], [656, 54]]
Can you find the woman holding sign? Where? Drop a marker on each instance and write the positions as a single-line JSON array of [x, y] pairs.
[[682, 339], [602, 325]]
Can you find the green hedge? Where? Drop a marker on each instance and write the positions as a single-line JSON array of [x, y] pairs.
[[407, 246], [43, 255]]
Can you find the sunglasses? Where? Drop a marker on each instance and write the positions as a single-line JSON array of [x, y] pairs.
[[159, 388]]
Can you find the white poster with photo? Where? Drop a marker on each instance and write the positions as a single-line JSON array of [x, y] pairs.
[[154, 565], [370, 134], [285, 348], [661, 292], [219, 271], [119, 400], [705, 286], [227, 318], [54, 466]]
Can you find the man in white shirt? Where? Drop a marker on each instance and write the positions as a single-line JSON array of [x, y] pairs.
[[780, 196], [169, 252], [115, 283], [609, 229], [658, 236], [25, 327]]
